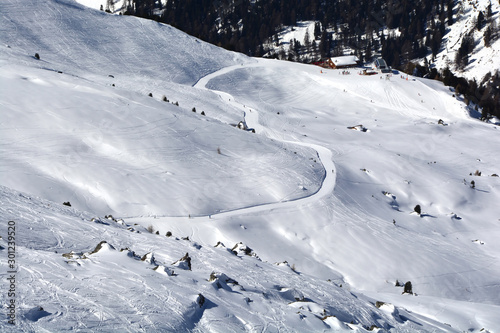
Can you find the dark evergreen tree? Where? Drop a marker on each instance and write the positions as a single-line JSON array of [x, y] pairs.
[[489, 13], [487, 36], [466, 47], [450, 12], [317, 30], [480, 21], [368, 52]]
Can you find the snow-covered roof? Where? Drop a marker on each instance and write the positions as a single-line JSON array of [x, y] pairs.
[[345, 60]]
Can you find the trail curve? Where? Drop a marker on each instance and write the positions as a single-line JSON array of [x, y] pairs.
[[252, 119]]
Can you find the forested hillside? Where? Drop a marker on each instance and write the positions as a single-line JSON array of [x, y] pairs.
[[405, 29]]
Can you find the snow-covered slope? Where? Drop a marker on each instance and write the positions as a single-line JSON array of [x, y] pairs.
[[136, 282], [107, 138], [328, 183]]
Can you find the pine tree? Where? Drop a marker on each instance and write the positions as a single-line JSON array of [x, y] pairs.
[[480, 21], [489, 13], [487, 36], [307, 41], [368, 52], [450, 12]]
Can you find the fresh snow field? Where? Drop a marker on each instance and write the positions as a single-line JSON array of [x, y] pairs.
[[302, 226]]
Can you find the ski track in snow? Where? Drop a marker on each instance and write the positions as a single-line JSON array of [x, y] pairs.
[[252, 119]]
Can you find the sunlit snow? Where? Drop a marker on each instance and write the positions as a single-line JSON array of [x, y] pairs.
[[303, 221]]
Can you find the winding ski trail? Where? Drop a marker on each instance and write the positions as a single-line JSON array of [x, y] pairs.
[[252, 120], [251, 117]]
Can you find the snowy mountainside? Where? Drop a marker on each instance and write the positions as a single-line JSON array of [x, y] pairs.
[[135, 283], [483, 59], [328, 182], [155, 157], [114, 138], [178, 57], [403, 158]]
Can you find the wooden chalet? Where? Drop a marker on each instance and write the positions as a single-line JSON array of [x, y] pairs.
[[343, 62]]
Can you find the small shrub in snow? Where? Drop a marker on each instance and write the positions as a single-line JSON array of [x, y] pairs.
[[221, 280], [110, 217], [473, 184], [200, 300], [242, 249], [477, 173], [379, 304], [74, 255], [193, 109], [37, 56], [149, 258], [218, 151], [213, 277], [184, 262], [358, 128], [67, 203], [202, 113], [408, 288], [150, 228], [417, 209], [187, 259], [219, 244], [285, 263], [130, 253], [164, 98], [168, 234]]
